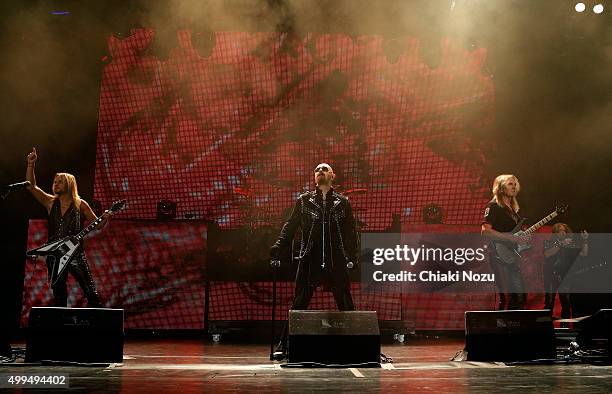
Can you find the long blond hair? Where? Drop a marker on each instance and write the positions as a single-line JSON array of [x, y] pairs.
[[71, 185], [498, 190]]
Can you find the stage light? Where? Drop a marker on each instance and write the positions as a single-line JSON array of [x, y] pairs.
[[598, 8], [166, 210], [580, 7]]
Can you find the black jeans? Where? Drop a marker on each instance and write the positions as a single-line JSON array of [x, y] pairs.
[[554, 274], [79, 269], [510, 285]]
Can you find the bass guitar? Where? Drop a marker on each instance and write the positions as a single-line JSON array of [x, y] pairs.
[[61, 251]]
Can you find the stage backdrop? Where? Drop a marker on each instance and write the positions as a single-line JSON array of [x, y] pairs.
[[230, 125]]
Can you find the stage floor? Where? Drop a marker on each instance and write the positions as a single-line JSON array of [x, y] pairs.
[[419, 365]]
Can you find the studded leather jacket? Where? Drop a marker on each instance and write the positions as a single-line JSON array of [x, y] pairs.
[[328, 242]]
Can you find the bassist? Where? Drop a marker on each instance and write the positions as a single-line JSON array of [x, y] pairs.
[[560, 252], [67, 212], [500, 217]]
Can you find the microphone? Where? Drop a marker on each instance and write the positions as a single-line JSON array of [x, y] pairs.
[[6, 190], [18, 185]]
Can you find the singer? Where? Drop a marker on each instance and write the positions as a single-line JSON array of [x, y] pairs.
[[67, 213], [328, 247]]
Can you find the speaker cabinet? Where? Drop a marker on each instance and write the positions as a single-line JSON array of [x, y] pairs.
[[516, 335], [596, 332], [331, 337], [84, 335], [5, 348]]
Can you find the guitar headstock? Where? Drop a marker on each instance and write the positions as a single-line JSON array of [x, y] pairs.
[[117, 206], [561, 208]]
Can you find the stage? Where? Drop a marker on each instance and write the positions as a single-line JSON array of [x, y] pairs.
[[420, 364], [432, 169]]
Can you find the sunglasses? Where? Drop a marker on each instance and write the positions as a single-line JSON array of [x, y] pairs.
[[322, 168]]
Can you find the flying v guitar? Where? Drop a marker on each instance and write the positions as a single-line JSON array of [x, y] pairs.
[[62, 250]]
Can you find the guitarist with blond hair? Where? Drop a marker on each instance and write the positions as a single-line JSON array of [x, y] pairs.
[[67, 213], [500, 218]]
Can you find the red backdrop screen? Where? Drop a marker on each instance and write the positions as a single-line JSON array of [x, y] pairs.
[[230, 126]]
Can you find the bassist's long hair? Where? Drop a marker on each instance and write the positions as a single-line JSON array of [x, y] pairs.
[[498, 191]]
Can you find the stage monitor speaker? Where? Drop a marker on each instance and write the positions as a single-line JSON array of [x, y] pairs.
[[5, 348], [83, 335], [596, 332], [516, 335], [332, 337]]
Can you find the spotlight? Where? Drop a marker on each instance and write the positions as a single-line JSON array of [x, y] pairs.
[[166, 210], [598, 8], [580, 7]]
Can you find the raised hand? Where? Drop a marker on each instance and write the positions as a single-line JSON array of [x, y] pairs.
[[32, 156]]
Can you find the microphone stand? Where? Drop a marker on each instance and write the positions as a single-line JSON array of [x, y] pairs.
[[275, 264]]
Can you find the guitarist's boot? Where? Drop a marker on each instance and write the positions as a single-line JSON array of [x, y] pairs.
[[93, 300], [82, 274]]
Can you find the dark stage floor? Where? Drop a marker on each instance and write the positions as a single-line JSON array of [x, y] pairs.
[[419, 365]]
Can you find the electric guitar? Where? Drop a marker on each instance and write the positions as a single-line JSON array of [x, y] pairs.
[[60, 252], [511, 253]]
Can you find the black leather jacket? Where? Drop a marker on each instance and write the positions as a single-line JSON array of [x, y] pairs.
[[328, 242]]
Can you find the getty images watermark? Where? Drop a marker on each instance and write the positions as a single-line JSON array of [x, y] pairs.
[[465, 262], [411, 255]]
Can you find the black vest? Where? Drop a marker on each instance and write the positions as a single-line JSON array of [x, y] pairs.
[[62, 226]]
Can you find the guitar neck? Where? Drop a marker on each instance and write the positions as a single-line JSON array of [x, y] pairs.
[[542, 222], [89, 228]]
